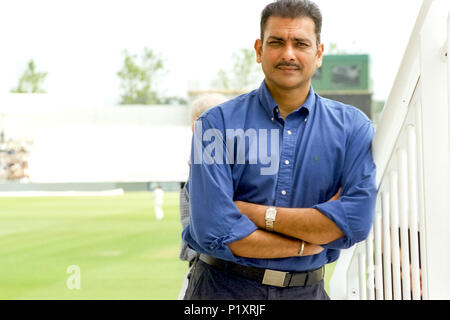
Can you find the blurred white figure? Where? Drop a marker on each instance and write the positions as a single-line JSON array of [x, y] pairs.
[[158, 199]]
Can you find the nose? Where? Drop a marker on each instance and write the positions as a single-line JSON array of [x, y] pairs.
[[288, 53]]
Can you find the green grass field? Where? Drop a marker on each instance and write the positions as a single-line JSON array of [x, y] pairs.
[[121, 250]]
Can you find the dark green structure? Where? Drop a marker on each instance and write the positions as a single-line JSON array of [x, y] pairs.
[[345, 78]]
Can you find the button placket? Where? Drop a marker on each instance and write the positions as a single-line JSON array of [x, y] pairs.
[[285, 170]]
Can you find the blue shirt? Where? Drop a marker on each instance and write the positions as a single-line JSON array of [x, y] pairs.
[[321, 146]]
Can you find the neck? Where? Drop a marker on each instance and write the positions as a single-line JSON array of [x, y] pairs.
[[290, 99]]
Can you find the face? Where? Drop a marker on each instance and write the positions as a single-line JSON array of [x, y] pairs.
[[289, 53]]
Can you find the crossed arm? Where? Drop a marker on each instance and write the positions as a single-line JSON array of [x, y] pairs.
[[230, 230], [291, 226]]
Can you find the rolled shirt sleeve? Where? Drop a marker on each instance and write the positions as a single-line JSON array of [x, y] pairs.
[[215, 221], [354, 211]]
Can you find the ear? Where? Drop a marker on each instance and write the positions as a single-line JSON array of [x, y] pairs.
[[320, 50], [258, 50]]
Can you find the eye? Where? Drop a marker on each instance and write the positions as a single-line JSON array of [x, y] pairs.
[[302, 44], [275, 43]]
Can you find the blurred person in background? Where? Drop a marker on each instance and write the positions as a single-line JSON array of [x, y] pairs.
[[158, 200], [199, 106]]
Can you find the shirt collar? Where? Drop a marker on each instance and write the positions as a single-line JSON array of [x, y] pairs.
[[269, 104]]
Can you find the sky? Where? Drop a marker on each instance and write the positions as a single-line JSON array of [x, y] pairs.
[[80, 43]]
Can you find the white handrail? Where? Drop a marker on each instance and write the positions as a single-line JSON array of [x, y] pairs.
[[402, 257], [389, 125], [396, 105]]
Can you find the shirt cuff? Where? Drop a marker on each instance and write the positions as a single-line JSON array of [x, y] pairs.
[[242, 228], [334, 211]]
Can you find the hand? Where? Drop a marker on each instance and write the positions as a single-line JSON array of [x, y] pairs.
[[312, 249], [336, 196]]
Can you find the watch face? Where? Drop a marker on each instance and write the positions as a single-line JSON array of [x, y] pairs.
[[271, 213]]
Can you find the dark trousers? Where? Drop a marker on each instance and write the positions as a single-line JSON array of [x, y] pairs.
[[209, 283]]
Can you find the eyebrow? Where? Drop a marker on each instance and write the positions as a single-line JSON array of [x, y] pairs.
[[295, 39], [274, 38]]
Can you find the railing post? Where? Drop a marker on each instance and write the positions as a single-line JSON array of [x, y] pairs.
[[447, 55], [436, 153]]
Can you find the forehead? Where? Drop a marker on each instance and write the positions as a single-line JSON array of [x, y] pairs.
[[303, 27]]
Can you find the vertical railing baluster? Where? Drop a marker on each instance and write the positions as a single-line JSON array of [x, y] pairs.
[[378, 251], [369, 266], [413, 211], [420, 194], [402, 164], [362, 275], [387, 264], [395, 245]]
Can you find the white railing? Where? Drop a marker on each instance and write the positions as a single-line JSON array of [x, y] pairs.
[[406, 255]]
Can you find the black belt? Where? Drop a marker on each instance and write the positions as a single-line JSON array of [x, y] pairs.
[[267, 276]]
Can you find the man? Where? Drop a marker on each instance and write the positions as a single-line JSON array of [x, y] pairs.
[[266, 233]]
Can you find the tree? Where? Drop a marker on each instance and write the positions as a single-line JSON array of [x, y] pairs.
[[244, 75], [31, 80], [334, 48], [140, 78], [172, 100]]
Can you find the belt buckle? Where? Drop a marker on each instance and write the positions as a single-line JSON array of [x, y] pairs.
[[274, 278]]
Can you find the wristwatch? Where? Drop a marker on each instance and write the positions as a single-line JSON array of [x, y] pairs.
[[271, 214]]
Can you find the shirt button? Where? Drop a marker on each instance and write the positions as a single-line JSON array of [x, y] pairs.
[[289, 132], [283, 192], [287, 162], [272, 119]]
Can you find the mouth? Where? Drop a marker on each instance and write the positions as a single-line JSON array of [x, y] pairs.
[[287, 67]]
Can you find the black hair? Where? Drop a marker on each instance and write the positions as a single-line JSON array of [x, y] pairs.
[[292, 9]]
